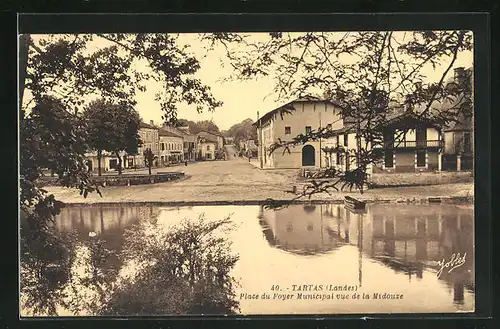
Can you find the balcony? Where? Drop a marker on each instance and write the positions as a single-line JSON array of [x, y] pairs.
[[414, 144]]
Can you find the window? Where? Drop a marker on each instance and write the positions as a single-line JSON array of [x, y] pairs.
[[288, 130], [346, 140], [338, 140], [421, 157], [163, 146], [389, 159], [308, 129], [208, 147]]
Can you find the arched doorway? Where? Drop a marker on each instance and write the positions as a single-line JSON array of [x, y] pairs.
[[308, 156]]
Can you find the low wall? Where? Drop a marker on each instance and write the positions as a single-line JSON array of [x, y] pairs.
[[423, 178], [124, 180]]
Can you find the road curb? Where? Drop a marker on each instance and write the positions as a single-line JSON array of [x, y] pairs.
[[433, 200]]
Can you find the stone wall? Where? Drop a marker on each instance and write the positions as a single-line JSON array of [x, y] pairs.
[[424, 178], [123, 180]]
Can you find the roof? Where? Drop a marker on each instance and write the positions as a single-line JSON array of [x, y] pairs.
[[167, 133], [287, 105], [394, 120], [206, 139], [146, 125], [209, 132]]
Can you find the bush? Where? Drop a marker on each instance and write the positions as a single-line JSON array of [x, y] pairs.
[[185, 270]]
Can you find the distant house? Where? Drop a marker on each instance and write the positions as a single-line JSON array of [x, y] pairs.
[[109, 161], [171, 147], [213, 136], [249, 148], [207, 148], [150, 139]]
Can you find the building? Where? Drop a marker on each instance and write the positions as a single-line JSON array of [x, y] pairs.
[[213, 136], [286, 122], [458, 136], [109, 161], [207, 148], [249, 148], [171, 147], [411, 143], [150, 139], [189, 143]]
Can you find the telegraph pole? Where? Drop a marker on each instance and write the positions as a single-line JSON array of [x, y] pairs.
[[259, 128]]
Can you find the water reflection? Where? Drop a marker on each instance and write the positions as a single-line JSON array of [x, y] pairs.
[[407, 239], [390, 248]]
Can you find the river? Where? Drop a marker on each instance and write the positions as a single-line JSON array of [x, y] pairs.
[[321, 259]]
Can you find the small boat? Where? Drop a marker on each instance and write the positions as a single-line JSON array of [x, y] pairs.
[[354, 204]]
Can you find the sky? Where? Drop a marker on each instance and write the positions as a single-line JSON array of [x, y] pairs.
[[241, 99]]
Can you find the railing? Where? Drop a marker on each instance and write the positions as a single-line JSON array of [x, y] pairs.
[[414, 144]]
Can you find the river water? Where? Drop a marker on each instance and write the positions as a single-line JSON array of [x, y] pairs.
[[323, 259]]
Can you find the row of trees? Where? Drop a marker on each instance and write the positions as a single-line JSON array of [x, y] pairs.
[[197, 126], [242, 131]]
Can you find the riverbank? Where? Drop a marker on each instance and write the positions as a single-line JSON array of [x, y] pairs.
[[182, 193]]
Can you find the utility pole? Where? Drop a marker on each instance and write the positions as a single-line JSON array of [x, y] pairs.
[[261, 146]]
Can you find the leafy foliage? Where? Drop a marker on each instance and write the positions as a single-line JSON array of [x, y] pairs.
[[182, 270], [243, 131], [197, 126], [113, 128], [58, 75]]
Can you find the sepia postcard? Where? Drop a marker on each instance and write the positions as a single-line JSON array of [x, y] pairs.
[[246, 173]]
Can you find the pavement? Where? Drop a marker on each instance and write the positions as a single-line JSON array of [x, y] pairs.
[[237, 180]]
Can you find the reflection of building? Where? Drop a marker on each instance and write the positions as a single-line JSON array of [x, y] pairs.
[[304, 229], [408, 239]]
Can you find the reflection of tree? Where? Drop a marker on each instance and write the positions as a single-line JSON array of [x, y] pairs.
[[44, 270]]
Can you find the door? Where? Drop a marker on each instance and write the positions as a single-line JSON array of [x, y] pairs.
[[308, 156], [113, 164]]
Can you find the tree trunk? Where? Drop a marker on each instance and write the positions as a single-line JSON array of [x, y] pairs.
[[119, 163], [99, 156]]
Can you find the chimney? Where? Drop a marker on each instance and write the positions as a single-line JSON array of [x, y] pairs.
[[151, 122]]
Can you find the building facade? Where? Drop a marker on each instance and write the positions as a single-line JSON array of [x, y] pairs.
[[150, 139], [459, 135], [286, 122], [207, 149], [404, 149], [171, 147], [219, 139]]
